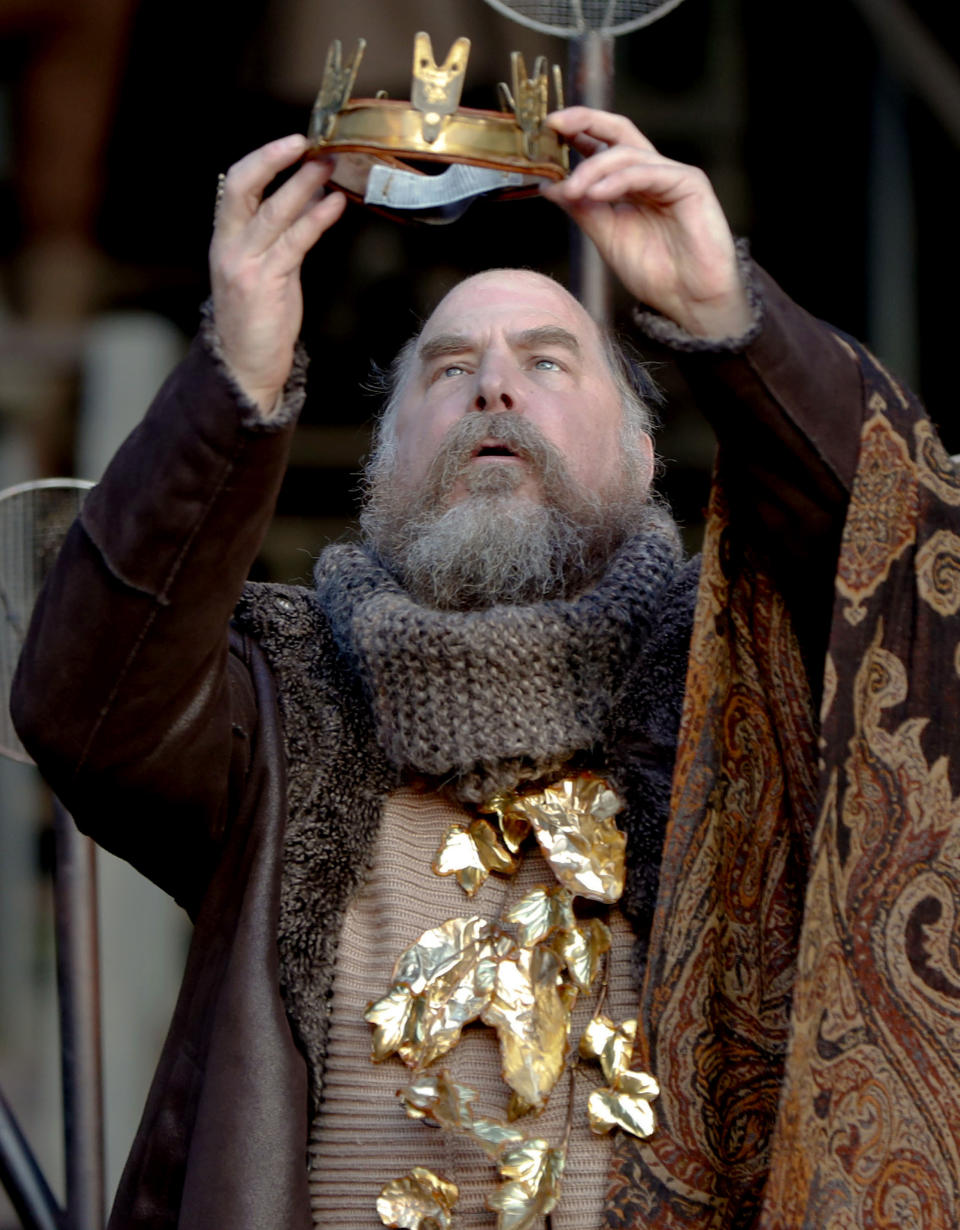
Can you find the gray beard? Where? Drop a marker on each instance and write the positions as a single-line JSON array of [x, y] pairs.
[[495, 546]]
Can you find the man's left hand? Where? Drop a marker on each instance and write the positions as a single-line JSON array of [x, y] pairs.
[[657, 223]]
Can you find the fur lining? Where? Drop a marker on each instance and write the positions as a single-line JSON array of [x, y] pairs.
[[337, 780], [641, 749], [662, 329], [252, 417]]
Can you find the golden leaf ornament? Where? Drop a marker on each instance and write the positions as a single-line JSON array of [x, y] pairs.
[[471, 854], [540, 912], [436, 1097], [440, 984], [611, 1045], [514, 828], [574, 823], [582, 948], [522, 976], [626, 1105], [532, 1022], [420, 1200], [533, 1172]]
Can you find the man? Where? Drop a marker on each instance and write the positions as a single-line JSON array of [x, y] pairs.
[[517, 613]]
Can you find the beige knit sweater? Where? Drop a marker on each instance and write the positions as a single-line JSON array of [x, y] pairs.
[[362, 1137]]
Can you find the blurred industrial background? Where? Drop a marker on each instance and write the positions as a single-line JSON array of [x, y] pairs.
[[832, 133]]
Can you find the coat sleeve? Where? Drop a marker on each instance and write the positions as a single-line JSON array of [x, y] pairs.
[[787, 406], [127, 694]]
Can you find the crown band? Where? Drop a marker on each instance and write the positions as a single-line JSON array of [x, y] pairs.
[[480, 138], [515, 142]]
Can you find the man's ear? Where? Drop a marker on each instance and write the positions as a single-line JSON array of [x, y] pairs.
[[647, 459]]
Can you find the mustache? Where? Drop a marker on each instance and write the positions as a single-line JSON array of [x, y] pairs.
[[509, 430]]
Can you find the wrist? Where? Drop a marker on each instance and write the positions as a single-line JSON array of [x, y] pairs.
[[263, 406], [662, 327], [727, 316]]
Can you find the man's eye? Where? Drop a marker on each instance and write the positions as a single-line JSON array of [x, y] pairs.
[[547, 365], [453, 370]]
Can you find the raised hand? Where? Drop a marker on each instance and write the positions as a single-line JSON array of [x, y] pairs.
[[257, 249], [657, 223]]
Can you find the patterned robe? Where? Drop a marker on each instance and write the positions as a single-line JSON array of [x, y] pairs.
[[801, 1008]]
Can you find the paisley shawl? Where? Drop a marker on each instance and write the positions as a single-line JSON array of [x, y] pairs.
[[802, 1002]]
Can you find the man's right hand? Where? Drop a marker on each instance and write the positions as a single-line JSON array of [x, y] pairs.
[[257, 249]]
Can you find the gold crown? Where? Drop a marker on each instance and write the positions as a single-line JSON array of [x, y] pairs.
[[514, 143]]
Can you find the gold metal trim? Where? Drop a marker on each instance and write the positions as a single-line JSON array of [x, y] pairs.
[[481, 138], [431, 126]]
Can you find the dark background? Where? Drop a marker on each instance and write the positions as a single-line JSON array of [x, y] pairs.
[[810, 119]]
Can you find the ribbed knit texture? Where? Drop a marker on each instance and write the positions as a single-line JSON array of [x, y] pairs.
[[362, 1137], [498, 696]]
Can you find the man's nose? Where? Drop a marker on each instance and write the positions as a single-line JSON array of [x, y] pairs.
[[495, 389]]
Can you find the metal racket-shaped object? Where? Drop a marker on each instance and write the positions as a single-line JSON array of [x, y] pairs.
[[34, 518], [591, 25]]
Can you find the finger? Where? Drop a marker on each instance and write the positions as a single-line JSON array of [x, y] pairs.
[[587, 146], [247, 179], [651, 173], [281, 210], [657, 184], [301, 236], [602, 163], [601, 125]]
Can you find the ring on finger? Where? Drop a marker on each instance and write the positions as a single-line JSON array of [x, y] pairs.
[[221, 184]]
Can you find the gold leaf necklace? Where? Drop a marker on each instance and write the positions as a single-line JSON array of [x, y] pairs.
[[521, 975]]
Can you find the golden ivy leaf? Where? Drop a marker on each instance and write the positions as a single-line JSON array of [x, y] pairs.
[[531, 1020], [540, 912], [581, 948], [441, 983], [638, 1085], [420, 1200], [625, 1105], [611, 1045], [433, 1095], [390, 1017], [471, 854], [443, 950], [436, 1097], [493, 1136], [514, 827], [574, 823], [533, 1172]]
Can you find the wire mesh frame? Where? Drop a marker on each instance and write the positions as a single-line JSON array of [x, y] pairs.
[[34, 517], [613, 17]]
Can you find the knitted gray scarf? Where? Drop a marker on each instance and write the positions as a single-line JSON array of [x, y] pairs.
[[485, 700]]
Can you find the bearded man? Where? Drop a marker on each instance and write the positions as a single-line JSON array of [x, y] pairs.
[[515, 628]]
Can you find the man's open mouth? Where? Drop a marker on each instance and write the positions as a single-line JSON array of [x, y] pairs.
[[488, 449]]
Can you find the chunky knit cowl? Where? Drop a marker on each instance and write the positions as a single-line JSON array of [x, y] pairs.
[[484, 700]]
